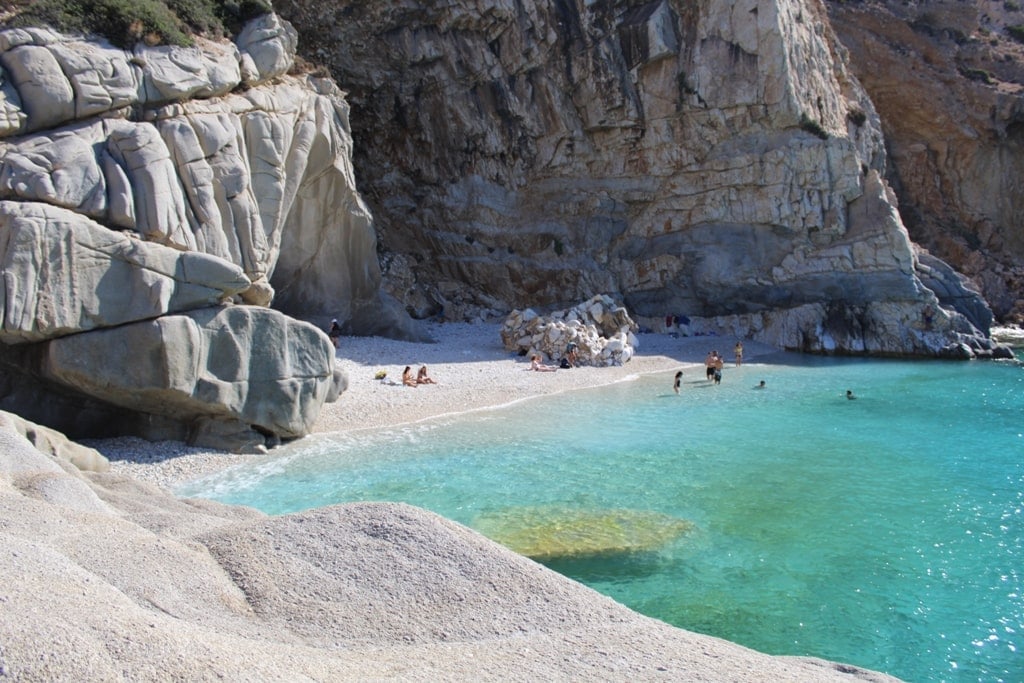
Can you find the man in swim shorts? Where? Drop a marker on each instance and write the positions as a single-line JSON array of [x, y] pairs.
[[709, 364]]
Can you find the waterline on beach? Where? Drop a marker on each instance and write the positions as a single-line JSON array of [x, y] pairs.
[[884, 531]]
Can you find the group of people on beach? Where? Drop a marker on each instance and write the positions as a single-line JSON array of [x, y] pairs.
[[421, 377]]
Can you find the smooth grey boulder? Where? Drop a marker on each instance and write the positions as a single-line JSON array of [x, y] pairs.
[[171, 73], [234, 377], [63, 273]]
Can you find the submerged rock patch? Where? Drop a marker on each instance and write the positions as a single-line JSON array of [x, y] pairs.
[[550, 532]]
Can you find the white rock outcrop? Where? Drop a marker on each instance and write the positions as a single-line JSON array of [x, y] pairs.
[[600, 330], [65, 274], [150, 184]]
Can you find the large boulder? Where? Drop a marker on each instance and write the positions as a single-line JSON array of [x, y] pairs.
[[238, 378], [63, 273], [250, 368]]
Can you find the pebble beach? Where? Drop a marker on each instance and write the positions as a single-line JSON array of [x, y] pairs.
[[472, 370]]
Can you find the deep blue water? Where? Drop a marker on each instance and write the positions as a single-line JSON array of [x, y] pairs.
[[887, 531]]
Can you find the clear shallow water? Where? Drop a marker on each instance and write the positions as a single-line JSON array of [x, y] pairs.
[[886, 532]]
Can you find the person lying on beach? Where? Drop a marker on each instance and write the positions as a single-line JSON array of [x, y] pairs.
[[422, 377], [535, 364], [407, 378]]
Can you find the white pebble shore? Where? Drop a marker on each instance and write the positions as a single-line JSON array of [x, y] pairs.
[[472, 371]]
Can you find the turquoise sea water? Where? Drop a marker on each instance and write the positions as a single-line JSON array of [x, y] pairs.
[[886, 532]]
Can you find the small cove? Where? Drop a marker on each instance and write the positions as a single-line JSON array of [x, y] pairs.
[[886, 532]]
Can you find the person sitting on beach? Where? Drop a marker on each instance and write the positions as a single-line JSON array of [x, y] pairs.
[[679, 378], [571, 354], [423, 378], [535, 364], [407, 378]]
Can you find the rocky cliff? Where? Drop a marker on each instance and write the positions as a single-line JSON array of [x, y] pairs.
[[947, 79], [154, 204], [715, 159], [172, 219]]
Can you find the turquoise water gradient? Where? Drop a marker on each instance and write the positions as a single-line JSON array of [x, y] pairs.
[[886, 532]]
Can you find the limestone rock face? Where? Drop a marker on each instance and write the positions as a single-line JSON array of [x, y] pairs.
[[947, 79], [710, 160], [137, 189]]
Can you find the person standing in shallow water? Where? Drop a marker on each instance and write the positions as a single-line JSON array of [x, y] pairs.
[[675, 384], [709, 364], [738, 350]]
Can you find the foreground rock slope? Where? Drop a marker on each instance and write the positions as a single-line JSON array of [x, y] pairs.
[[106, 578]]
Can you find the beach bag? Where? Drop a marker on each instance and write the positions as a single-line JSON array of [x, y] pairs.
[[564, 363]]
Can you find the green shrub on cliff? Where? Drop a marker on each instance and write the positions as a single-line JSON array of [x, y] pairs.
[[126, 22], [813, 127]]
